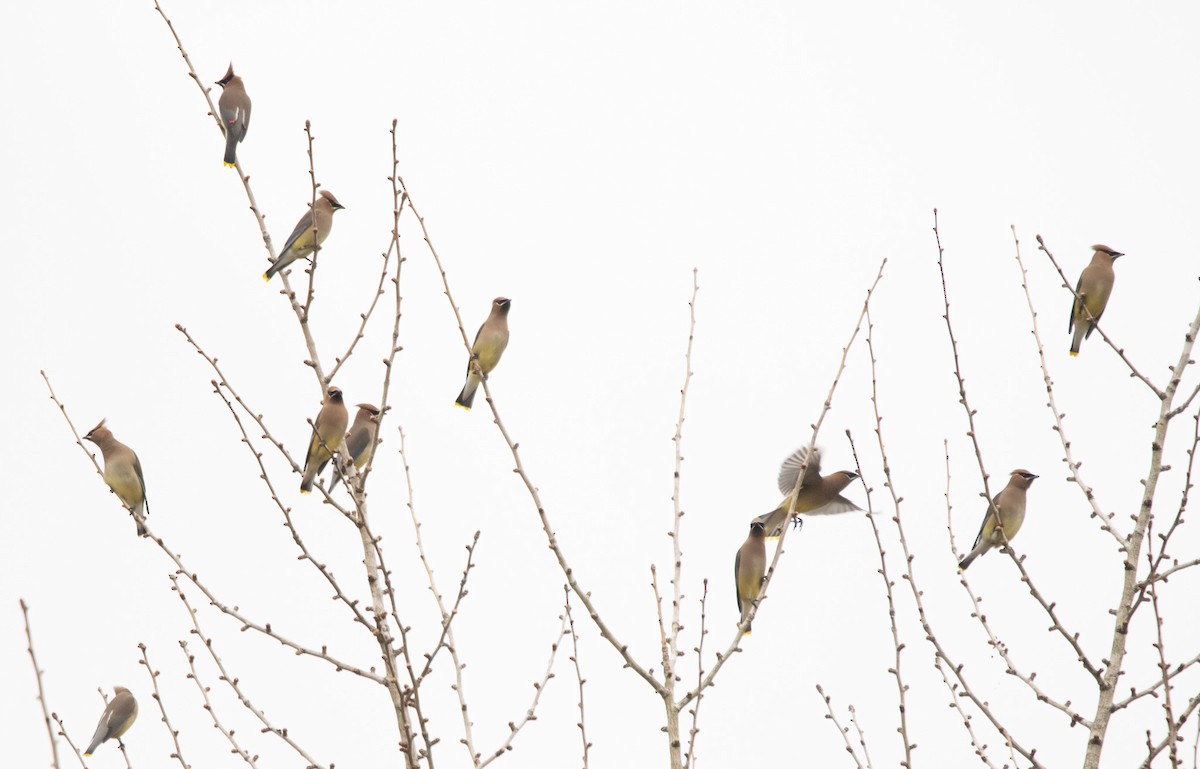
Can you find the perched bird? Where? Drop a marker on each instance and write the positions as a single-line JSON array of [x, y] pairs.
[[818, 495], [122, 472], [234, 107], [489, 345], [1010, 505], [301, 242], [360, 441], [329, 430], [1093, 289], [118, 716], [748, 569]]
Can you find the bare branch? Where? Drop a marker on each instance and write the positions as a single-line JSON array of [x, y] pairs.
[[162, 708], [735, 645], [584, 596], [62, 730], [844, 731], [228, 733], [280, 732], [531, 711], [1105, 519], [37, 672]]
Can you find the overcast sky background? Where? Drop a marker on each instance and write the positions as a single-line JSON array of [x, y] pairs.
[[582, 160]]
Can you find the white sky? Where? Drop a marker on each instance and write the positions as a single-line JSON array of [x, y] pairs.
[[582, 160]]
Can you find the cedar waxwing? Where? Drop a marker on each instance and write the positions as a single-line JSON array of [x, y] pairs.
[[329, 430], [1010, 503], [748, 569], [817, 496], [489, 345], [1094, 287], [118, 716], [301, 243], [234, 107], [360, 441], [122, 472]]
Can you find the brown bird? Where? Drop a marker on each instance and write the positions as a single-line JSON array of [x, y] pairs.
[[329, 430], [749, 566], [118, 716], [360, 441], [1093, 289], [234, 107], [1009, 504], [122, 473], [489, 345], [818, 495], [302, 242]]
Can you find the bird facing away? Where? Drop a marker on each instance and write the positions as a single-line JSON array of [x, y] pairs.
[[360, 441], [118, 716], [748, 569], [234, 107], [489, 345], [329, 429], [1093, 289], [122, 472], [818, 495], [1010, 504], [301, 242]]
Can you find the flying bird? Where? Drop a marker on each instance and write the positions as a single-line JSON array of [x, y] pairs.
[[818, 495]]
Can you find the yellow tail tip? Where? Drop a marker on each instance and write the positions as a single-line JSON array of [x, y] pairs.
[[305, 491], [87, 755], [230, 165], [266, 277], [1074, 354], [464, 408]]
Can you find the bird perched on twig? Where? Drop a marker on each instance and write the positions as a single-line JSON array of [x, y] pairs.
[[1093, 289], [1009, 507], [490, 341], [118, 716], [234, 106], [122, 473]]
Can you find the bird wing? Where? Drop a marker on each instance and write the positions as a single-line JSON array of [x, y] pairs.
[[305, 224], [137, 467], [790, 469], [737, 577], [1075, 304], [838, 504], [986, 517]]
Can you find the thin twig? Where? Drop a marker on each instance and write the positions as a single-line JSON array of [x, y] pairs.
[[1105, 519], [531, 711], [699, 650], [579, 679], [37, 672], [735, 645], [844, 731], [62, 730], [162, 708], [280, 732], [191, 661], [584, 596]]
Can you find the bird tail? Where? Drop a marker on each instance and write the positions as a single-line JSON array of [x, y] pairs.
[[1080, 331], [231, 142], [92, 748], [467, 396], [964, 563], [307, 484]]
